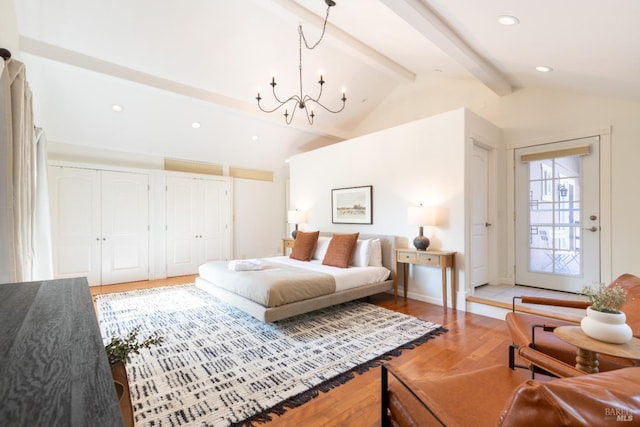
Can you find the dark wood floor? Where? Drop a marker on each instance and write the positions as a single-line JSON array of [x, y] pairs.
[[472, 342]]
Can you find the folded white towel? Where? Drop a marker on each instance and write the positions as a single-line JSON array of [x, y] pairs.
[[244, 264]]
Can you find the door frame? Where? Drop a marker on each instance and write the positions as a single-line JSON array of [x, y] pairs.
[[493, 211], [605, 196], [489, 184]]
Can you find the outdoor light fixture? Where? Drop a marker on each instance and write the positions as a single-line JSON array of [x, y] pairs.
[[563, 190]]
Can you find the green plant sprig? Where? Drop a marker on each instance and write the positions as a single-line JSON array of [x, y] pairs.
[[606, 299], [119, 348]]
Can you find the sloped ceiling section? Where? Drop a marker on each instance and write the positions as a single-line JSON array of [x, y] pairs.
[[170, 64]]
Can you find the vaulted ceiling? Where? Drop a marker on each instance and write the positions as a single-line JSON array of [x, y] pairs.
[[170, 64]]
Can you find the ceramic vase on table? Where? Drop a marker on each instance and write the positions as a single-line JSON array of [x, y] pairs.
[[607, 327]]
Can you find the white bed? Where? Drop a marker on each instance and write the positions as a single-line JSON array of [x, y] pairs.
[[350, 283]]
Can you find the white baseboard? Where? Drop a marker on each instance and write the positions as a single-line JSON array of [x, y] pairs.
[[487, 310], [423, 298]]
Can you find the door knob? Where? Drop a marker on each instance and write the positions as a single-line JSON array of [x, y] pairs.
[[487, 224], [592, 229]]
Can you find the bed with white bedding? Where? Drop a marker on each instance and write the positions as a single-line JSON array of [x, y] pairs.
[[281, 287]]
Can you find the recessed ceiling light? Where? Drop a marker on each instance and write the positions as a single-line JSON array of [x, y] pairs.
[[254, 138], [507, 20], [195, 125], [116, 108], [544, 69]]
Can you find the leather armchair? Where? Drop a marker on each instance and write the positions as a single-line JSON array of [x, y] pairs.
[[498, 396], [537, 346]]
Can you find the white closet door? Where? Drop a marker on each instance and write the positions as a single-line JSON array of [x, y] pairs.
[[183, 199], [198, 212], [215, 222], [75, 219], [125, 227]]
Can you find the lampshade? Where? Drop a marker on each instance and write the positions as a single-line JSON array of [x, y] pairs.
[[421, 215], [296, 217]]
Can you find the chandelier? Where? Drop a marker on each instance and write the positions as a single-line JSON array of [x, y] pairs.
[[303, 101]]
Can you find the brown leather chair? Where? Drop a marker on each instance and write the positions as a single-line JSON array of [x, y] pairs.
[[498, 396], [535, 343]]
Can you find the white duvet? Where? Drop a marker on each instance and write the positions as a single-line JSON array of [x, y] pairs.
[[346, 278]]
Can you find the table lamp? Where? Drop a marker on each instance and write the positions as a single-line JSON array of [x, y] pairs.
[[295, 217], [421, 216]]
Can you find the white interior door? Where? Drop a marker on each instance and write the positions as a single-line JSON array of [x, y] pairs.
[[183, 200], [197, 223], [557, 215], [125, 227], [480, 216], [215, 224], [75, 223]]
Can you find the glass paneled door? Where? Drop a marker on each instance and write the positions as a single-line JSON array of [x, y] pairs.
[[557, 215]]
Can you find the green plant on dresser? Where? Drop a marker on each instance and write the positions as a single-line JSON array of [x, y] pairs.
[[118, 350]]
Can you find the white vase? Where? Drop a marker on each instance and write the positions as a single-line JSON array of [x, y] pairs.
[[607, 327]]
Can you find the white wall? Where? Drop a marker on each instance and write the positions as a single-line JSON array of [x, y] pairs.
[[530, 115], [419, 162], [9, 27], [259, 217]]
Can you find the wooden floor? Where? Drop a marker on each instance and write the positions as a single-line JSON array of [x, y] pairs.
[[473, 341]]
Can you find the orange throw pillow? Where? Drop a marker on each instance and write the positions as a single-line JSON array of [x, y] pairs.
[[304, 245], [340, 250]]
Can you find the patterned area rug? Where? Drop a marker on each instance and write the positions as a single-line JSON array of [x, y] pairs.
[[221, 367]]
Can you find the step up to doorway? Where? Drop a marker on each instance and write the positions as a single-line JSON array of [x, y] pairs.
[[501, 296]]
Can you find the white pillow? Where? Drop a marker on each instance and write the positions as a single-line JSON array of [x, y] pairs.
[[375, 253], [361, 254], [321, 247]]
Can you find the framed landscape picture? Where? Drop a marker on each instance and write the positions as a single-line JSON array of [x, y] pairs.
[[351, 205]]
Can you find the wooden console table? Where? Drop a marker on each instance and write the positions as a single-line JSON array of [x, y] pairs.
[[587, 348], [430, 258], [53, 366]]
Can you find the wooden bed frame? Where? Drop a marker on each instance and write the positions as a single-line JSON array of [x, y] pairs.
[[265, 314]]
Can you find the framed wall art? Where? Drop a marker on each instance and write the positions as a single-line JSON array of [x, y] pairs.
[[352, 205]]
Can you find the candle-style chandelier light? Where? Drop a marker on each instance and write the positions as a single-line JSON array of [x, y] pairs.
[[302, 100]]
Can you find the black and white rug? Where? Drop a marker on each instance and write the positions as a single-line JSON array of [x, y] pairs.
[[221, 367]]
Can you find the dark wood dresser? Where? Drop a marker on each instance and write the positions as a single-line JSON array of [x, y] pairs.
[[53, 367]]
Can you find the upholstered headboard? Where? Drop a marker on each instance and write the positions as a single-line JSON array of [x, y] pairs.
[[388, 244]]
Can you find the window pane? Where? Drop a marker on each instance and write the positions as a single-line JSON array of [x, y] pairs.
[[554, 216]]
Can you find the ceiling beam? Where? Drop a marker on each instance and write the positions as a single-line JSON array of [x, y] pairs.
[[431, 25], [80, 60], [370, 56]]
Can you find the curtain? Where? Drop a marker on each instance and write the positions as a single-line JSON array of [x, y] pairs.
[[18, 179], [7, 245], [43, 257]]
